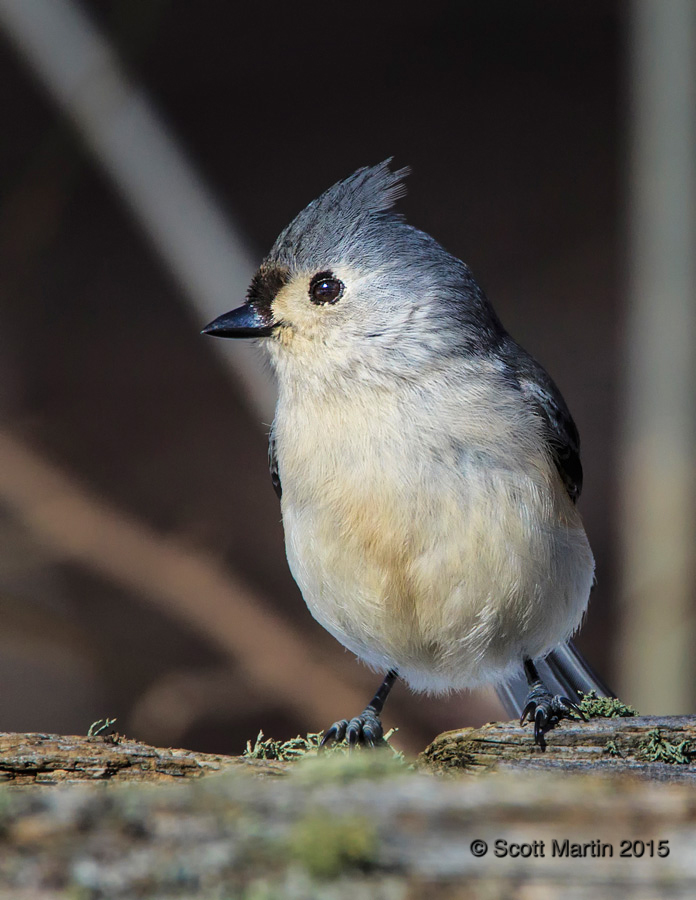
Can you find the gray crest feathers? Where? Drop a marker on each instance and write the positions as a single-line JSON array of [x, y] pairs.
[[334, 219]]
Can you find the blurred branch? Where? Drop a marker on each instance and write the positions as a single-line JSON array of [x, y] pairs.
[[178, 700], [659, 425], [200, 247], [187, 585]]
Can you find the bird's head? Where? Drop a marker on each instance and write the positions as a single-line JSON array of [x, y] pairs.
[[349, 285]]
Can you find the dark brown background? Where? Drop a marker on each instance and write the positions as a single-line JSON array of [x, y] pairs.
[[511, 115]]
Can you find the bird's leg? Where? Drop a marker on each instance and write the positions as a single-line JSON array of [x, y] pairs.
[[542, 707], [365, 729]]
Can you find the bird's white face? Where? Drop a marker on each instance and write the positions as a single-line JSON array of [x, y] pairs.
[[314, 306], [344, 322], [331, 316]]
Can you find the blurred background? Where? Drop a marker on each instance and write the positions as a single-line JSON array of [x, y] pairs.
[[151, 151]]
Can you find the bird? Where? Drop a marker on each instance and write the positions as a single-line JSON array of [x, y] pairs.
[[427, 466]]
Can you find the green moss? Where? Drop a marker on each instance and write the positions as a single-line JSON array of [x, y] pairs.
[[612, 749], [262, 889], [327, 846], [295, 748], [299, 747], [655, 747], [77, 892], [595, 707], [6, 806], [104, 728], [344, 768], [99, 727]]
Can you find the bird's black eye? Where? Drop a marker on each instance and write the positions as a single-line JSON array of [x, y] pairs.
[[325, 288]]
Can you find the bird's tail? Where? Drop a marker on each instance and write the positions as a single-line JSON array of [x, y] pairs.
[[564, 671]]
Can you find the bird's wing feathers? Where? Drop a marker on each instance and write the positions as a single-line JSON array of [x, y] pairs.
[[273, 466], [564, 442]]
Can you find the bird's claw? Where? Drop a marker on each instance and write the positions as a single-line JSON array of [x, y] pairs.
[[364, 730], [546, 711]]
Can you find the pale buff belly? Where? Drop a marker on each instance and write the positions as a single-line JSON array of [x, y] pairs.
[[452, 585]]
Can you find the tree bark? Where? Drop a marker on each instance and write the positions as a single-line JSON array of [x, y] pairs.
[[56, 759], [356, 825], [656, 748], [660, 748]]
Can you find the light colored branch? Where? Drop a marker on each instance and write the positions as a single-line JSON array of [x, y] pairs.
[[658, 524], [202, 249]]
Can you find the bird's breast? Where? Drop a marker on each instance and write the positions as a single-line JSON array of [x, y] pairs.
[[416, 544]]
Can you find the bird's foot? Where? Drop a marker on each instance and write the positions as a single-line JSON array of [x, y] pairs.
[[364, 730], [546, 711]]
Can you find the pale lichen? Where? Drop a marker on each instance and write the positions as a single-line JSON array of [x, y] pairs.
[[611, 748], [104, 729], [655, 747], [299, 747], [595, 707], [295, 748]]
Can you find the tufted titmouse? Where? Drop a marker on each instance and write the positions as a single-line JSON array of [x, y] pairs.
[[427, 466]]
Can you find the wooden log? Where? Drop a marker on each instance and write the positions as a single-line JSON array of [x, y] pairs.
[[56, 759], [342, 826], [655, 748], [661, 748]]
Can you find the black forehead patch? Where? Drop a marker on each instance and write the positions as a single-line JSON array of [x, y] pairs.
[[265, 285]]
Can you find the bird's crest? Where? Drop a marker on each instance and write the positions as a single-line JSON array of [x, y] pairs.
[[370, 189], [336, 217]]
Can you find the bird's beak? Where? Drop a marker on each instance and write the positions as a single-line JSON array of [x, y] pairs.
[[244, 322]]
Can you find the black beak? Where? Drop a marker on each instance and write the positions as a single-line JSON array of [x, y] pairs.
[[244, 322]]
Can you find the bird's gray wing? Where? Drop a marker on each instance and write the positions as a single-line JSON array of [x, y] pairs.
[[273, 466], [563, 439], [564, 671]]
